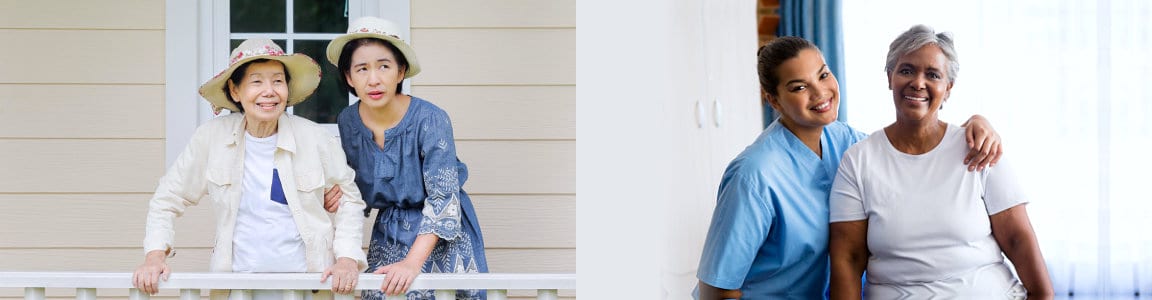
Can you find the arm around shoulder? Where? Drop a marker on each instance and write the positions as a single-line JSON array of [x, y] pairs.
[[984, 143]]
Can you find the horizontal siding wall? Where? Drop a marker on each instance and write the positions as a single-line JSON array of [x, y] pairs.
[[103, 56], [516, 14], [525, 112], [540, 221], [82, 132], [84, 15], [80, 165], [505, 71], [495, 56], [100, 111]]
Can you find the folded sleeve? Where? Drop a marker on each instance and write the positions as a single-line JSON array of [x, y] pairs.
[[846, 200], [740, 224], [1002, 190]]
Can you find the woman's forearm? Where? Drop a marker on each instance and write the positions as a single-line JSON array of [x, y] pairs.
[[709, 292], [1024, 252], [848, 252], [1014, 234], [845, 281], [422, 248]]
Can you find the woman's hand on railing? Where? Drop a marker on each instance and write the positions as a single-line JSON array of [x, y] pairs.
[[344, 275], [148, 275], [400, 276]]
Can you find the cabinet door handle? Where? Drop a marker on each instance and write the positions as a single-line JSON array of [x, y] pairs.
[[699, 114], [716, 112]]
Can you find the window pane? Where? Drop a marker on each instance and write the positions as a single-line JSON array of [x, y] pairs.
[[252, 16], [1130, 124], [316, 16], [236, 43], [329, 99]]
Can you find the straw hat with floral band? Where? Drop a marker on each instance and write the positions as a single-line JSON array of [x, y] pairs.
[[373, 27], [303, 71]]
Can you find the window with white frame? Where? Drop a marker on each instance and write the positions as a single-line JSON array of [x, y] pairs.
[[298, 26], [1062, 81], [200, 34]]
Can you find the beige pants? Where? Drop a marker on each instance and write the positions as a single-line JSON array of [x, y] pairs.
[[994, 281]]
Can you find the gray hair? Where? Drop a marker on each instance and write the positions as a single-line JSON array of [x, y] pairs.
[[917, 37]]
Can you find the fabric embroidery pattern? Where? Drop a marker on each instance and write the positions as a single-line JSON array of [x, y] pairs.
[[414, 183]]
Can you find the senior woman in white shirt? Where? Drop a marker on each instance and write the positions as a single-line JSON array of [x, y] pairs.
[[921, 225], [264, 172]]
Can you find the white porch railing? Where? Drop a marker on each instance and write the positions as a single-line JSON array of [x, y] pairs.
[[296, 284]]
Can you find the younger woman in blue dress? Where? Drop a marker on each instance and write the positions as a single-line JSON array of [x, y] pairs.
[[404, 155]]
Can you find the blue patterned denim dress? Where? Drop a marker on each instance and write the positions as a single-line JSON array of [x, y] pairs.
[[415, 182]]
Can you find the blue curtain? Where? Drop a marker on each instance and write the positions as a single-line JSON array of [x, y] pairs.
[[819, 22]]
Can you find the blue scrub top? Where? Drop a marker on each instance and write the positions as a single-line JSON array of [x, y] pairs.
[[769, 231]]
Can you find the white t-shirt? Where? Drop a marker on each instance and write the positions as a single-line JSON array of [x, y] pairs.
[[926, 220], [266, 238]]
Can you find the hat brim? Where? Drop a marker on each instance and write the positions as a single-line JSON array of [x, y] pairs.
[[337, 45], [304, 72]]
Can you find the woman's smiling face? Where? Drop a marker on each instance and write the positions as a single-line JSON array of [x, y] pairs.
[[920, 83], [808, 94]]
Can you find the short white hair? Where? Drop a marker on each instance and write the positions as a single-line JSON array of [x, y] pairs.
[[917, 37]]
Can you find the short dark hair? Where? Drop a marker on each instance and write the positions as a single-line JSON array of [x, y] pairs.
[[238, 75], [345, 62], [775, 53]]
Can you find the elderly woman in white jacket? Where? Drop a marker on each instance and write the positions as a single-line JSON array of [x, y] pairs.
[[265, 173]]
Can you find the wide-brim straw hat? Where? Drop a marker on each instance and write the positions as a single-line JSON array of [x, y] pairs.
[[303, 70], [373, 27]]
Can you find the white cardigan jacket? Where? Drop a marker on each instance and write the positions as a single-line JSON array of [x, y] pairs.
[[309, 159]]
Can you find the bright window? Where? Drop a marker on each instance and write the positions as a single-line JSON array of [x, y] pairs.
[[1064, 83]]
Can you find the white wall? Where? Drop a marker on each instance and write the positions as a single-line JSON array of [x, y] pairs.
[[649, 165]]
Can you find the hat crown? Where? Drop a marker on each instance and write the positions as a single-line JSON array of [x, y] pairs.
[[255, 47], [376, 26], [304, 71]]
